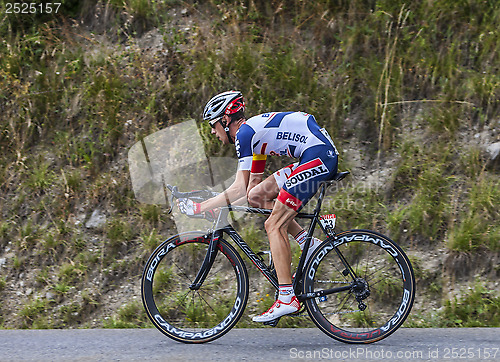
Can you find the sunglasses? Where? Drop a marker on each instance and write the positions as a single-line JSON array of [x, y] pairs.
[[214, 122]]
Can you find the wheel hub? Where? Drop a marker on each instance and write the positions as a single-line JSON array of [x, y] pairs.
[[360, 289]]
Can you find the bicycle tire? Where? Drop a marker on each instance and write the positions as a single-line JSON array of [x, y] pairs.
[[389, 279], [194, 316]]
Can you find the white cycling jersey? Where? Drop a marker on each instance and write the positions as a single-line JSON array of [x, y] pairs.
[[278, 133]]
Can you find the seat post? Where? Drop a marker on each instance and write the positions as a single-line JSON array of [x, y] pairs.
[[320, 198]]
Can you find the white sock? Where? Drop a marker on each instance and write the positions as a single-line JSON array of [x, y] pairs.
[[286, 293], [301, 240]]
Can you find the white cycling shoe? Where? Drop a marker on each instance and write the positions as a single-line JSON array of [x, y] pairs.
[[278, 309]]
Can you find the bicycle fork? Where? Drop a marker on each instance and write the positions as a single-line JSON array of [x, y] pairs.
[[208, 261]]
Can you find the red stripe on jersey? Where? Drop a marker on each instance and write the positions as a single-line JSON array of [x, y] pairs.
[[289, 200], [263, 148], [314, 163]]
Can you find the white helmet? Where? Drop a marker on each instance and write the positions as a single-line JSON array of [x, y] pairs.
[[223, 103]]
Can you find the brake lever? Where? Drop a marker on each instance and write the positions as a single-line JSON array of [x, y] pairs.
[[171, 200], [173, 190]]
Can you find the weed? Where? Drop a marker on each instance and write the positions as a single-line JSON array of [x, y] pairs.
[[151, 213], [79, 244], [130, 315], [118, 233], [71, 273], [255, 237], [17, 262], [478, 227], [70, 314], [5, 230], [43, 276], [75, 181], [357, 207], [33, 313], [49, 243], [61, 288], [40, 178], [478, 308], [427, 188], [28, 235], [150, 240], [472, 162]]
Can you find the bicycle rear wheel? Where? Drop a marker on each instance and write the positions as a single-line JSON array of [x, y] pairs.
[[380, 299], [194, 316]]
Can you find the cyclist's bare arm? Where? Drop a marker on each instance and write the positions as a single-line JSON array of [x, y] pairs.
[[234, 192], [255, 179]]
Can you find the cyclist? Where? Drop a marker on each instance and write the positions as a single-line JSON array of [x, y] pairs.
[[293, 134]]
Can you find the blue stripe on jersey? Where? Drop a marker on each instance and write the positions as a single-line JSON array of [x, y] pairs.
[[315, 130], [243, 141], [276, 120]]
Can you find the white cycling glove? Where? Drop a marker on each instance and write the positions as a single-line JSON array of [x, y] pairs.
[[189, 207]]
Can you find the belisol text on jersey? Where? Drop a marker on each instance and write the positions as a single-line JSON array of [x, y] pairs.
[[290, 136]]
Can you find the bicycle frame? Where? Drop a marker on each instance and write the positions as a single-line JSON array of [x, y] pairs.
[[264, 269]]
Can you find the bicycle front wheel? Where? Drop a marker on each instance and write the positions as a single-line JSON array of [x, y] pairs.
[[194, 316], [375, 302]]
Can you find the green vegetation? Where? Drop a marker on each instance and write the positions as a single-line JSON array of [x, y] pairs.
[[407, 86], [479, 307], [478, 225], [131, 315]]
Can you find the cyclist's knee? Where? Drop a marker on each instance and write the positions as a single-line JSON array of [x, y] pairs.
[[270, 225], [255, 198], [274, 225]]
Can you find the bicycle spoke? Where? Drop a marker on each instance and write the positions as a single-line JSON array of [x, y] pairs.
[[183, 273], [342, 302]]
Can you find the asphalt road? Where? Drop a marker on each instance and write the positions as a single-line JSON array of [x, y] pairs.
[[468, 344]]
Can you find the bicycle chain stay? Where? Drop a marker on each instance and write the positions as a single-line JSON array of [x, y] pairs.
[[333, 281]]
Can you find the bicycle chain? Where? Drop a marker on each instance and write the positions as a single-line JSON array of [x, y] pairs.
[[301, 314]]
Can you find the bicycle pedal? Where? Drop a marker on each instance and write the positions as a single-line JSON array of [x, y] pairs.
[[299, 312], [272, 323]]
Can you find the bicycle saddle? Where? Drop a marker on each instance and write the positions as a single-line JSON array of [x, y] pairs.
[[339, 176]]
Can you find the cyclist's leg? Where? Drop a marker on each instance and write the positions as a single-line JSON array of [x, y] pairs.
[[276, 228], [264, 194], [315, 166]]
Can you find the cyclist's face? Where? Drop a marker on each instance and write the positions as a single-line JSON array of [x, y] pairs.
[[218, 130]]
